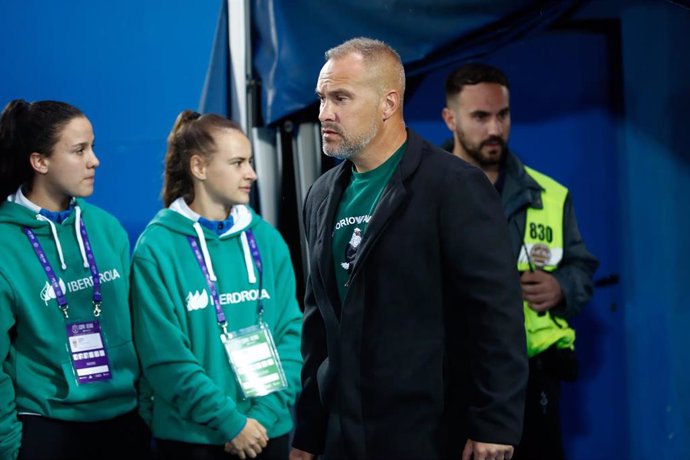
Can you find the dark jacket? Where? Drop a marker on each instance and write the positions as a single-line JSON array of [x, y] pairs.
[[429, 348], [574, 273]]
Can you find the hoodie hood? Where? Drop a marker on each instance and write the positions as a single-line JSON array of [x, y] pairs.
[[242, 217], [180, 218], [20, 211]]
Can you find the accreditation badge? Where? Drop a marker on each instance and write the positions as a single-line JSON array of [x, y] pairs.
[[255, 361], [87, 352]]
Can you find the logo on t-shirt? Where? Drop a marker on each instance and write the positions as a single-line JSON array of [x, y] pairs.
[[351, 248], [352, 220]]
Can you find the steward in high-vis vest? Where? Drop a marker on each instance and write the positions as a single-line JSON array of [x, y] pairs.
[[555, 266], [542, 249], [545, 236]]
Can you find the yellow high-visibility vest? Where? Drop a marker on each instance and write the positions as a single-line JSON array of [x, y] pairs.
[[543, 250]]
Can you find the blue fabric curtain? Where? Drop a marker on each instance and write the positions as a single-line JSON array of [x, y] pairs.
[[215, 96], [291, 36]]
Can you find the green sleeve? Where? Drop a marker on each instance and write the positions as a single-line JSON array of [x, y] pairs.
[[145, 394], [286, 335], [10, 427], [169, 366]]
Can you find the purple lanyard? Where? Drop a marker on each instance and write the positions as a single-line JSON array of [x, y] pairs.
[[95, 275], [254, 249], [50, 273], [220, 316]]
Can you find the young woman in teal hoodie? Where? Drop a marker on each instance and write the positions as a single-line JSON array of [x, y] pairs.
[[69, 368], [216, 321]]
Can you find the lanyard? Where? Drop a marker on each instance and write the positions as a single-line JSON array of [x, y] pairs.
[[50, 273], [215, 298], [220, 316], [254, 249]]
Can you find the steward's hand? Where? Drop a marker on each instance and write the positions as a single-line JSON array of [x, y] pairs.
[[296, 454], [541, 290]]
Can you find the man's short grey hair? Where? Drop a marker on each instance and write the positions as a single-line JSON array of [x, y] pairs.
[[372, 52]]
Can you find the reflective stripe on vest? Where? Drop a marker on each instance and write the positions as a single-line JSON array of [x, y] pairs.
[[543, 250]]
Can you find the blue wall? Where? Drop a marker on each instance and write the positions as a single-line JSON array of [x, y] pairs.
[[130, 66], [655, 180]]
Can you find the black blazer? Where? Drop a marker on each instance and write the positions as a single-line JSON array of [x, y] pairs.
[[429, 347]]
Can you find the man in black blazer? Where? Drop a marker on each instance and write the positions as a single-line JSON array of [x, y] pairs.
[[413, 337]]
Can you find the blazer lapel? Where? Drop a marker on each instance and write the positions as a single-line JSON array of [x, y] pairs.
[[392, 197], [324, 241]]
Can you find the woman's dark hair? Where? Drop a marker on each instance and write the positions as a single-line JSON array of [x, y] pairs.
[[26, 128], [191, 135]]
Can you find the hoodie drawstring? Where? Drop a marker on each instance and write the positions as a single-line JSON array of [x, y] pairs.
[[251, 276], [63, 265], [204, 251], [77, 230]]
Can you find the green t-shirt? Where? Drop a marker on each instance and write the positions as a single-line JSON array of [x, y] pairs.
[[354, 212]]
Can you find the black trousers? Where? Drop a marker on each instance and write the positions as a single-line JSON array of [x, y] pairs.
[[277, 449], [541, 437], [123, 437]]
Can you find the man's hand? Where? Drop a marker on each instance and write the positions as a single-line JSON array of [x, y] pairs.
[[541, 290], [250, 442], [296, 454], [486, 451]]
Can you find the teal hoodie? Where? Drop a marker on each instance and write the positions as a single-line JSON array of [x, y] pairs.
[[37, 375], [195, 397]]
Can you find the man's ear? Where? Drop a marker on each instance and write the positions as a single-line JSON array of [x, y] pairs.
[[449, 117], [39, 162], [391, 104], [197, 166]]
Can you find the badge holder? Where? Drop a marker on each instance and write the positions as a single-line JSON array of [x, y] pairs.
[[255, 361], [87, 352]]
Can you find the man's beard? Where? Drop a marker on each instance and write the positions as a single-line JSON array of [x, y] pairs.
[[349, 146], [476, 154]]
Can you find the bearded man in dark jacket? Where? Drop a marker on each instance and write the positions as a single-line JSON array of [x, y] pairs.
[[415, 347], [554, 264]]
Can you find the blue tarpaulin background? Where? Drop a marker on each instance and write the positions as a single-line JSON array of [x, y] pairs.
[[290, 38]]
